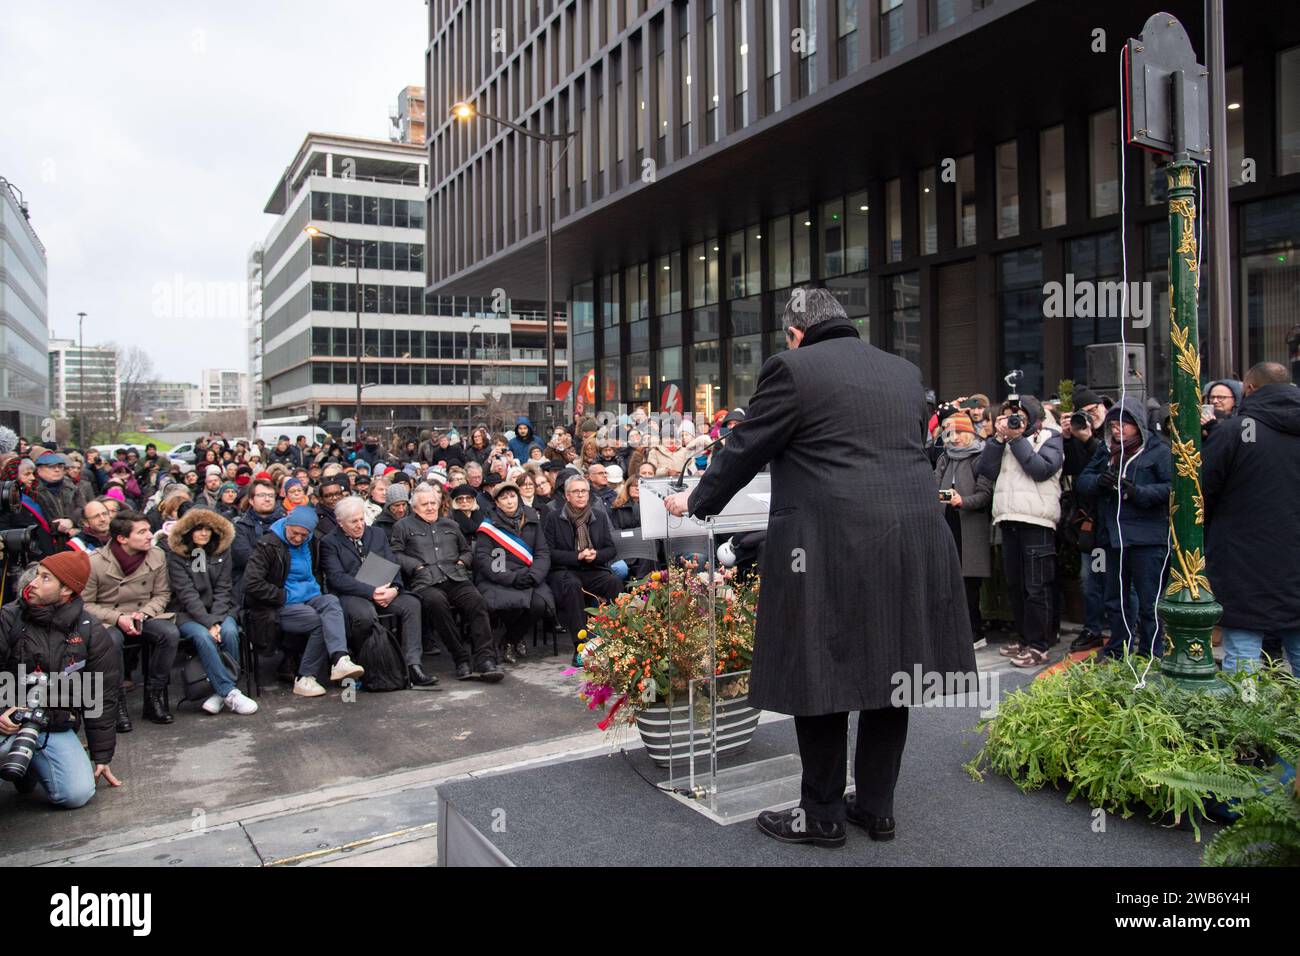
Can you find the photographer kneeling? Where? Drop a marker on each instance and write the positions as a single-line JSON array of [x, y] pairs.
[[48, 629]]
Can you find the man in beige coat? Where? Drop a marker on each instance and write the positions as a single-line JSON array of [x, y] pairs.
[[128, 592]]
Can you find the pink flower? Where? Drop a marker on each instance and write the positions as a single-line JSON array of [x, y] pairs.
[[570, 671]]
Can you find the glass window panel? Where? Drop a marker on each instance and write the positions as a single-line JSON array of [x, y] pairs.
[[706, 385], [670, 367], [856, 242], [1008, 190], [735, 265], [903, 304], [385, 211], [746, 360], [638, 370], [1051, 176], [1020, 308], [1288, 111], [832, 226], [610, 289], [801, 264], [1103, 163], [753, 260], [928, 209], [894, 219], [370, 206], [964, 197]]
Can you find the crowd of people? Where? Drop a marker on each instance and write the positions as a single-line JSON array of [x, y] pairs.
[[1023, 483], [481, 541], [353, 564]]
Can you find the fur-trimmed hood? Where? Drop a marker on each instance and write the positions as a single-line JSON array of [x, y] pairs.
[[222, 529]]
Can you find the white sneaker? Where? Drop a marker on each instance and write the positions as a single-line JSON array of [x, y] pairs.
[[308, 687], [213, 704], [240, 704], [345, 669]]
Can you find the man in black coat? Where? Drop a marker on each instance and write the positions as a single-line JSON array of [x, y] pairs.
[[342, 553], [1251, 473], [263, 511], [436, 561], [581, 539], [47, 628], [861, 580]]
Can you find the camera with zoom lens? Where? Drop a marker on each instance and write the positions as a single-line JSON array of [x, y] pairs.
[[1013, 380], [1079, 421], [32, 721]]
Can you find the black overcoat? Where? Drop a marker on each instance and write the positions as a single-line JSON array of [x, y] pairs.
[[861, 580]]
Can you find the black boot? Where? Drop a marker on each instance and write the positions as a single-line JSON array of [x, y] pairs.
[[508, 653], [155, 707], [419, 679], [123, 719]]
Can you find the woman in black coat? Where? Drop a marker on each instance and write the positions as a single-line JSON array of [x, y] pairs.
[[199, 566], [625, 513], [511, 561]]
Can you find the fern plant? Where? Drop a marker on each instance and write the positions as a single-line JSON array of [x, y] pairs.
[[1089, 730], [1266, 834]]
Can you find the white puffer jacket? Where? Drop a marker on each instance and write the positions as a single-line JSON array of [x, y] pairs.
[[1018, 497]]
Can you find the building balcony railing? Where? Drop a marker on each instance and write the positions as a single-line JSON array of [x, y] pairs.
[[393, 180], [537, 355]]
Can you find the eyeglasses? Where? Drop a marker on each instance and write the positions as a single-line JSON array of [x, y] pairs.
[[1220, 398], [331, 495]]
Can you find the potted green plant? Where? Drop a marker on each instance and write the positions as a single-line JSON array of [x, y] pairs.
[[647, 647]]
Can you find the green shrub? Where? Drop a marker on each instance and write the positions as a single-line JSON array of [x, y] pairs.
[[1156, 748]]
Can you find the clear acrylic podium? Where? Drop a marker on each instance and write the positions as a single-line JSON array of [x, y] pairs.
[[743, 789]]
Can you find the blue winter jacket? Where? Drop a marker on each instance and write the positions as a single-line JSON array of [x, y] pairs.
[[1143, 515]]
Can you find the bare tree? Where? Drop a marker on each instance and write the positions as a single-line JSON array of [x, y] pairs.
[[135, 371]]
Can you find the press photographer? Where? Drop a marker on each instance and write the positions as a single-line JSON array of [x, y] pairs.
[[46, 632]]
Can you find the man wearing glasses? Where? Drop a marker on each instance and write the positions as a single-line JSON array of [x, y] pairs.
[[332, 490], [260, 511]]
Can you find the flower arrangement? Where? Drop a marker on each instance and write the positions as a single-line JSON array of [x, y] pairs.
[[653, 640]]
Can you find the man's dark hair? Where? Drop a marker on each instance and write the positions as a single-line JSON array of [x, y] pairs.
[[124, 523], [1267, 373]]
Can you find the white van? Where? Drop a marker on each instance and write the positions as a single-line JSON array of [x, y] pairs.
[[270, 433]]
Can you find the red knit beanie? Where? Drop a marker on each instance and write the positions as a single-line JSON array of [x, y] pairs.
[[70, 567]]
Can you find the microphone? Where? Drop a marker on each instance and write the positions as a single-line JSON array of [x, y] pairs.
[[681, 478]]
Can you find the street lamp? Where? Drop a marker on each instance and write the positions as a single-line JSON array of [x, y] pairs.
[[469, 378], [81, 382], [465, 112], [354, 247]]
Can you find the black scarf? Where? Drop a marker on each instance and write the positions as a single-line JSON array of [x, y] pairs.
[[513, 522], [834, 329]]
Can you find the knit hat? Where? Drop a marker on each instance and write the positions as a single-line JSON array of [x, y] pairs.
[[70, 567], [116, 494], [263, 476], [614, 473], [960, 423], [304, 516], [460, 491], [397, 492], [290, 484], [228, 486], [212, 470], [1084, 397]]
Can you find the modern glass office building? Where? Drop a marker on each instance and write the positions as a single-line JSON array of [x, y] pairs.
[[24, 323], [936, 163]]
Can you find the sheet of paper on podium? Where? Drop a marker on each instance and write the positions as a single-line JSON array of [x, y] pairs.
[[747, 511]]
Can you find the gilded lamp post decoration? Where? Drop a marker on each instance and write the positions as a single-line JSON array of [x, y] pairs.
[[1187, 607]]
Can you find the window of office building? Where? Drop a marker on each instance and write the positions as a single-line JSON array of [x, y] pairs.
[[610, 288], [736, 265], [1156, 186], [638, 373], [854, 294], [1020, 310], [670, 370], [1095, 259], [774, 50], [1103, 163], [942, 13], [1270, 276], [801, 229], [846, 52], [832, 226], [740, 31], [1236, 125], [620, 123], [668, 284], [711, 67], [903, 316], [746, 359], [894, 219], [640, 115], [928, 208], [684, 89], [1008, 190], [706, 385], [855, 238], [1051, 176], [703, 259], [636, 286], [1288, 111], [661, 88], [891, 26], [964, 200], [611, 375], [745, 316], [808, 52], [583, 308], [779, 252]]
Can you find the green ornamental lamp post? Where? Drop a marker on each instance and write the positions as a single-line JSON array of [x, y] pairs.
[[1187, 608]]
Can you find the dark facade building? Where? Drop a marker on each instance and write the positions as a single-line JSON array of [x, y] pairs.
[[937, 163]]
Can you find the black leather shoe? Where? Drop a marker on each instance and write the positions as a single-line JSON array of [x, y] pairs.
[[419, 679], [795, 826], [1086, 641], [463, 672], [878, 828], [155, 707], [123, 720], [489, 672]]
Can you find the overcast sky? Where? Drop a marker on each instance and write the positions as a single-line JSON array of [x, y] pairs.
[[147, 136]]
